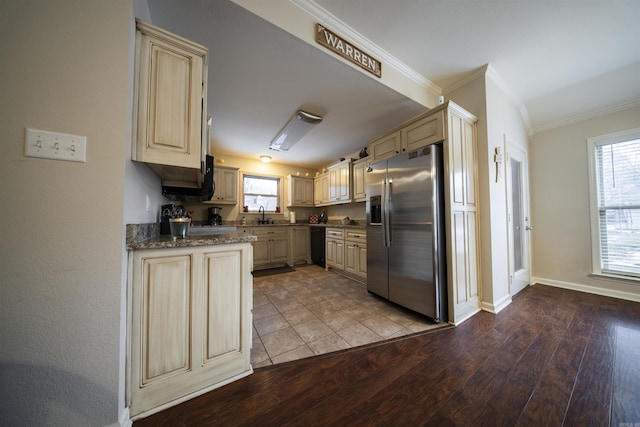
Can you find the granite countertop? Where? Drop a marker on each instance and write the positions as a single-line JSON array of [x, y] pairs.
[[147, 236], [354, 225]]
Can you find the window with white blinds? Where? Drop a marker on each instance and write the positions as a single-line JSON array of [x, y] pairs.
[[615, 203]]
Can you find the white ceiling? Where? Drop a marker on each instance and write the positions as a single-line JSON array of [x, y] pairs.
[[560, 60]]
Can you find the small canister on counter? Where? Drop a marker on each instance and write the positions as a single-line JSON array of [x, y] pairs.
[[313, 219]]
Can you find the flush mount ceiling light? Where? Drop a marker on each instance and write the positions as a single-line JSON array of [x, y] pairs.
[[296, 128], [265, 159]]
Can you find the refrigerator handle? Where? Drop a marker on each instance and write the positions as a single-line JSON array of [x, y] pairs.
[[383, 212], [386, 220]]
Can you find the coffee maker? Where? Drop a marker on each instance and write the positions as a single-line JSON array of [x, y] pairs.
[[214, 215]]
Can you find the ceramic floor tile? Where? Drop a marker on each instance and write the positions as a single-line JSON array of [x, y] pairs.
[[270, 324], [325, 310], [359, 335], [295, 354], [338, 320], [288, 304], [382, 326], [360, 312], [328, 343], [298, 315], [264, 310], [312, 330], [259, 298], [281, 341], [258, 353]]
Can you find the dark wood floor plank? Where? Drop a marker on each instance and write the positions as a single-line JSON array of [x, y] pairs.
[[550, 398], [553, 357], [590, 403], [626, 377]]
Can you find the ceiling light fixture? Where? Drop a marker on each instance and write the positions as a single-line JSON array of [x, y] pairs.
[[265, 159], [296, 128]]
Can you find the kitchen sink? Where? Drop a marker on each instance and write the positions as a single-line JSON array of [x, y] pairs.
[[205, 230]]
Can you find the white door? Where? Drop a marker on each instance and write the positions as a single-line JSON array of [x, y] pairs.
[[519, 227]]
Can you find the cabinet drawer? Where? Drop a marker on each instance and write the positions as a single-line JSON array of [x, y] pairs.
[[356, 236], [263, 232], [335, 233]]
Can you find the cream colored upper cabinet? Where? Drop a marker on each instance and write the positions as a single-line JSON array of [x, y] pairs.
[[424, 131], [226, 182], [411, 135], [359, 180], [300, 191], [321, 190], [340, 182], [385, 147], [169, 99]]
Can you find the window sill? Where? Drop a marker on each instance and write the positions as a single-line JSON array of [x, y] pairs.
[[619, 278]]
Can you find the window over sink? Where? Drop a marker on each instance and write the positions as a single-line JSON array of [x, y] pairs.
[[260, 191]]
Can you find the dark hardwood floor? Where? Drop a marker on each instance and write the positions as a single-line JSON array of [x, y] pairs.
[[553, 357]]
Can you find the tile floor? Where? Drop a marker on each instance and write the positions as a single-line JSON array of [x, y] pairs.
[[311, 311]]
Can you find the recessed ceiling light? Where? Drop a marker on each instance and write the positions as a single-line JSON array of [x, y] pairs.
[[265, 159]]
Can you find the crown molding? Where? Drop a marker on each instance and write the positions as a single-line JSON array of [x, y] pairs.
[[332, 22], [587, 116]]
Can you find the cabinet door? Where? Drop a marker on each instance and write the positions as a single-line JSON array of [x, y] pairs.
[[317, 191], [279, 249], [169, 99], [260, 251], [339, 254], [330, 252], [425, 131], [361, 268], [223, 305], [300, 191], [334, 185], [308, 192], [350, 257], [344, 189], [164, 301], [385, 147], [226, 186], [359, 182]]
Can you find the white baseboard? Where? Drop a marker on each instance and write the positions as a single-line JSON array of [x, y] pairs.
[[124, 420], [498, 306], [588, 289]]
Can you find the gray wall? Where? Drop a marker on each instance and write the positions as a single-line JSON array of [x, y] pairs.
[[560, 205], [65, 67]]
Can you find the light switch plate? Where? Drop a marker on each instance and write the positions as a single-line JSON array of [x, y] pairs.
[[56, 146]]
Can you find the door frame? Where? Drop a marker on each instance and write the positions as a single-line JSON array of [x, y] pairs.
[[518, 280]]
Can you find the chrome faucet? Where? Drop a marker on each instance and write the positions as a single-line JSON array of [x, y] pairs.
[[261, 209]]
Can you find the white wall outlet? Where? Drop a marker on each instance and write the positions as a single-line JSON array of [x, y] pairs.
[[57, 146]]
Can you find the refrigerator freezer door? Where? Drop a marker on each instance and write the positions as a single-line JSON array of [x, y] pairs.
[[377, 252], [412, 280]]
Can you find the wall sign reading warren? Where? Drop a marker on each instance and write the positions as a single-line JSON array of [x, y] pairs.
[[348, 51]]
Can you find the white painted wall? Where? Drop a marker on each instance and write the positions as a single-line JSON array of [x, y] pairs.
[[497, 116], [65, 67], [560, 205]]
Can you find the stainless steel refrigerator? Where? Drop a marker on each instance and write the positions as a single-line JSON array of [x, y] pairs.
[[405, 231]]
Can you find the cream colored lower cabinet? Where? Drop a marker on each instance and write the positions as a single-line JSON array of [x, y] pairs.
[[272, 246], [300, 245], [355, 253], [334, 250], [190, 322]]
